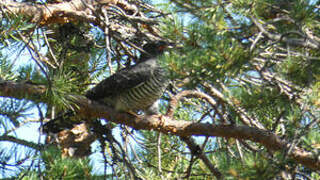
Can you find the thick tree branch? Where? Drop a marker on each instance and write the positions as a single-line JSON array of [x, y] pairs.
[[168, 125], [20, 89], [187, 128]]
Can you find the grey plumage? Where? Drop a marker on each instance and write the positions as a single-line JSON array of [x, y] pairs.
[[137, 87]]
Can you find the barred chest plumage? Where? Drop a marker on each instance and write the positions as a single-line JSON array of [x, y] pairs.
[[145, 94], [134, 88]]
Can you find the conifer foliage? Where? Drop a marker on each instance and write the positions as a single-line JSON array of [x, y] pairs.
[[243, 102]]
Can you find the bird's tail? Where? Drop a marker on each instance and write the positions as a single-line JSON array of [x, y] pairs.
[[66, 120]]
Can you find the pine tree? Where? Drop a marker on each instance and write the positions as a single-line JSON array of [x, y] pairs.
[[243, 102]]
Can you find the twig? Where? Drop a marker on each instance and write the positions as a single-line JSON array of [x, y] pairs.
[[239, 150], [21, 124], [244, 117], [309, 43], [195, 150], [107, 39], [255, 41], [188, 93], [21, 142], [188, 171], [159, 155], [49, 48]]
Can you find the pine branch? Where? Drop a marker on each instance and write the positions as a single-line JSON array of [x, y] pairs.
[[21, 90], [86, 11], [167, 125], [303, 42]]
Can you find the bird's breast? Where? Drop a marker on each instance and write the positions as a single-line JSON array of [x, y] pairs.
[[144, 95]]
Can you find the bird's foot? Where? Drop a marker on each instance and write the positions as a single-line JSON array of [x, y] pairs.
[[161, 118]]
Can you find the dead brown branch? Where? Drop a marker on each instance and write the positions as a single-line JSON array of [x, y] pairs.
[[85, 11], [58, 12]]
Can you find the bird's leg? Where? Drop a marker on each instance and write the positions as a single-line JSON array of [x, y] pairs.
[[153, 110]]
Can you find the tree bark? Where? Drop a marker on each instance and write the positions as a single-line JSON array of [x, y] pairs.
[[168, 125]]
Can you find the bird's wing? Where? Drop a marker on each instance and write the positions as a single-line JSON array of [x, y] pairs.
[[121, 81]]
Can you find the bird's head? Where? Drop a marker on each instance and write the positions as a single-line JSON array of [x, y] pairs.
[[154, 49]]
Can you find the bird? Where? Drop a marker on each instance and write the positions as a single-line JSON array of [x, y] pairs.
[[138, 87], [133, 89]]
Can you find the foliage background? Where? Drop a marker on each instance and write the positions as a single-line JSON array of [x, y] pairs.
[[252, 64]]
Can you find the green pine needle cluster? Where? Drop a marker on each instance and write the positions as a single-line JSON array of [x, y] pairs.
[[57, 167], [257, 59]]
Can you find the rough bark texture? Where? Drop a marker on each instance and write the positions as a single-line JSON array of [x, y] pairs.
[[167, 125], [60, 12]]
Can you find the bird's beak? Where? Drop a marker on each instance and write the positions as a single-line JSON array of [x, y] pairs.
[[167, 46]]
